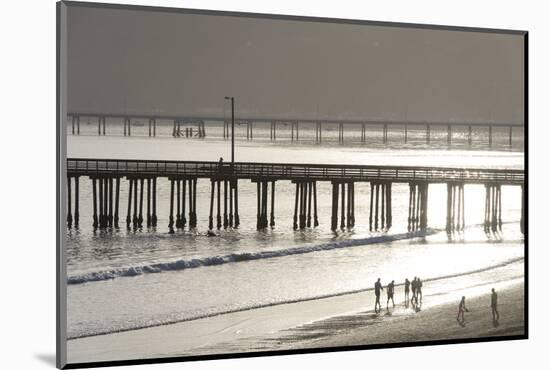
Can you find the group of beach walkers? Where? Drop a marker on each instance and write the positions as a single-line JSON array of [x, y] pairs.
[[416, 299], [415, 286]]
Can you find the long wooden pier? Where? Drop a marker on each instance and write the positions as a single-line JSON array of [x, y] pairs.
[[106, 175], [195, 126]]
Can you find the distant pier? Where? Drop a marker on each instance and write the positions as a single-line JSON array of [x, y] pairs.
[[188, 126], [141, 177]]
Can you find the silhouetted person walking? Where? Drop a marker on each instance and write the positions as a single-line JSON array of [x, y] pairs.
[[461, 309], [407, 288], [413, 288], [390, 290], [377, 289], [494, 303]]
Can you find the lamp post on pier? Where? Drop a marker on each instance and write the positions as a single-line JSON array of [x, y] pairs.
[[232, 129]]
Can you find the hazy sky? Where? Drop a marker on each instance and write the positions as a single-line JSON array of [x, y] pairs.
[[124, 61]]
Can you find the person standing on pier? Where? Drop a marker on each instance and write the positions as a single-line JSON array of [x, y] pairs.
[[461, 309], [377, 289], [390, 290], [494, 303], [407, 287]]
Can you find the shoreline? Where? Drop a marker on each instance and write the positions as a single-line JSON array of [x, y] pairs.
[[326, 322]]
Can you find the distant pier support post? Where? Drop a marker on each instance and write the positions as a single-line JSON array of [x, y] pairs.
[[493, 206], [469, 135], [455, 207], [490, 135], [449, 134], [510, 136], [427, 134], [418, 206], [78, 125], [385, 133], [73, 122], [406, 133], [104, 119], [98, 126]]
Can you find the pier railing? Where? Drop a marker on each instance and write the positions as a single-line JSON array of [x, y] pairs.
[[290, 171]]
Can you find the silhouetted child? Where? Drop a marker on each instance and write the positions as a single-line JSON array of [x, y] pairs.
[[461, 309], [377, 289], [494, 303]]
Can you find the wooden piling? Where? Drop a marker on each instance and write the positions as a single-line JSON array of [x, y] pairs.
[[178, 203], [211, 213], [315, 218], [236, 187], [135, 217], [154, 215], [295, 219], [117, 201], [100, 181], [76, 202], [94, 195], [69, 206], [110, 219], [225, 218], [342, 214], [272, 215], [218, 214], [129, 214], [171, 217], [148, 202], [334, 216]]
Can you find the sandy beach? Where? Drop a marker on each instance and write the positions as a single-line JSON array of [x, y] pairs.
[[344, 320]]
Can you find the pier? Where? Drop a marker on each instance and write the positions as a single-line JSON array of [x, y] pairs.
[[142, 175], [294, 127]]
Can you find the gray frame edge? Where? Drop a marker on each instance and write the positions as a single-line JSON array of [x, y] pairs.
[[61, 154]]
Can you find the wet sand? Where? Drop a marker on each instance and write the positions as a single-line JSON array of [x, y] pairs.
[[345, 320]]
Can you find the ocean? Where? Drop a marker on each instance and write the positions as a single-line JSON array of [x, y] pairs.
[[124, 280]]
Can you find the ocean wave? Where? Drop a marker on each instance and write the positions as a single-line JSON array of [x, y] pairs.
[[290, 301], [183, 264]]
